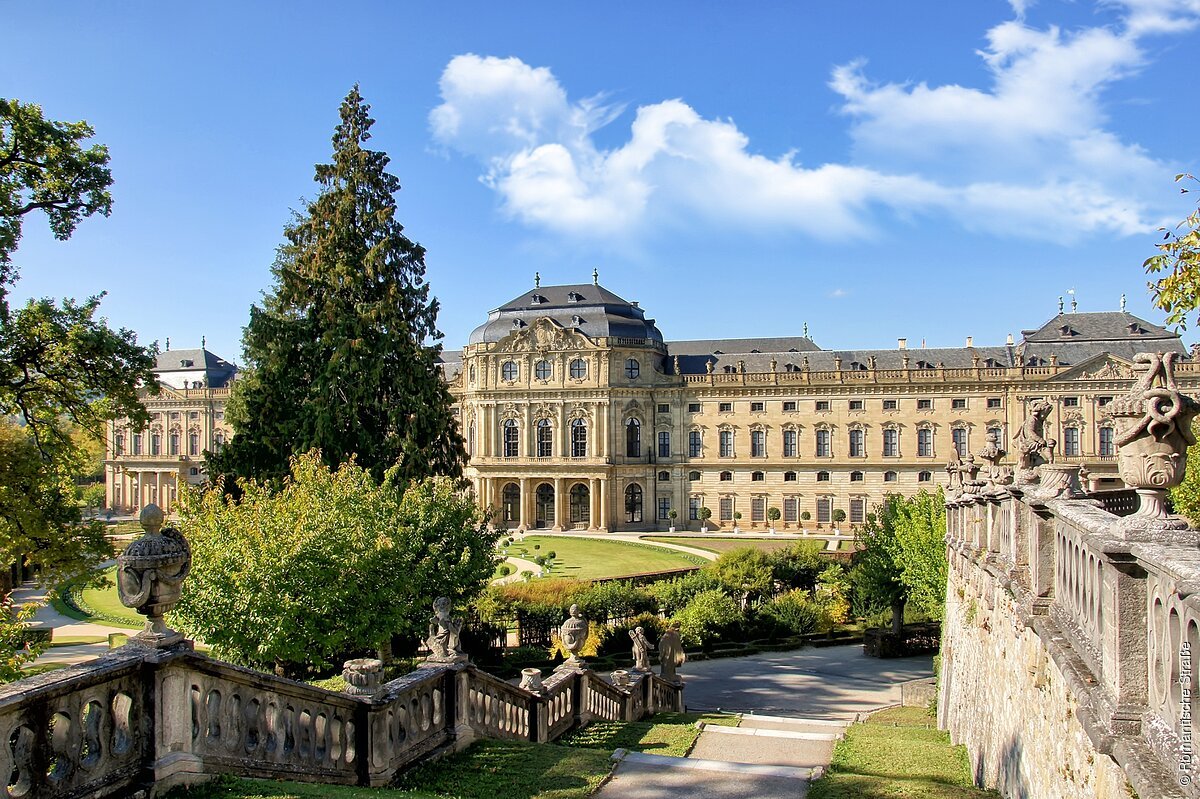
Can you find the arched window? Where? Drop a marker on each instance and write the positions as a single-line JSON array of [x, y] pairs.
[[471, 439], [512, 434], [924, 477], [508, 371], [633, 438], [581, 512], [889, 477], [632, 368], [693, 476], [471, 373], [545, 438], [822, 477], [578, 438], [726, 477], [633, 504], [789, 477], [510, 502], [856, 477], [578, 369], [218, 442], [664, 477], [757, 477], [541, 370]]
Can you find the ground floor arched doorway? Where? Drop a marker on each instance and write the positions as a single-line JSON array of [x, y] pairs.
[[544, 510], [581, 505], [510, 503]]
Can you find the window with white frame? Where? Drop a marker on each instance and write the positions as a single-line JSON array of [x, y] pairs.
[[822, 477], [789, 443], [823, 444], [924, 443], [857, 447], [695, 442], [758, 444], [891, 442], [725, 438], [1107, 446]]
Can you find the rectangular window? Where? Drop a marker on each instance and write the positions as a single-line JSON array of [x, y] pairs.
[[726, 440], [758, 444], [999, 435], [822, 405], [789, 406], [1102, 401], [789, 509], [789, 443], [891, 443], [858, 510], [924, 405], [664, 444], [664, 407], [857, 449], [693, 407], [959, 435], [694, 442], [726, 509], [725, 407], [924, 443], [1107, 450], [137, 443], [856, 405], [756, 407], [890, 405], [694, 508], [958, 404], [1070, 402], [823, 449], [1071, 441], [758, 509], [824, 510], [994, 403], [664, 508]]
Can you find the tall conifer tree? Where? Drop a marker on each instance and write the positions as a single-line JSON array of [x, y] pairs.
[[343, 354]]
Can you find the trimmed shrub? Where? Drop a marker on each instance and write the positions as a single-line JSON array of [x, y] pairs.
[[615, 599], [708, 617], [673, 595]]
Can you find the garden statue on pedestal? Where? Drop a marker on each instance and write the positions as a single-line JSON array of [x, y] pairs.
[[670, 653], [995, 474], [150, 573], [1033, 448], [573, 634], [444, 631], [641, 650]]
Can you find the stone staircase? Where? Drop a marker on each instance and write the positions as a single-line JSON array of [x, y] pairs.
[[764, 756]]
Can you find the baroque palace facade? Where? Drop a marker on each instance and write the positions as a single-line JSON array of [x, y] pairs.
[[578, 414]]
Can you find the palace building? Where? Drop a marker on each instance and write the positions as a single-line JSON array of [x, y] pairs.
[[578, 414]]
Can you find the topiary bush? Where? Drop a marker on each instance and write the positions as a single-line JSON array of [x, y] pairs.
[[708, 617]]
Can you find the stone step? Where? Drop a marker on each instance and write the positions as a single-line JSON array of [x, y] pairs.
[[701, 764], [785, 723], [747, 747], [821, 734], [645, 776]]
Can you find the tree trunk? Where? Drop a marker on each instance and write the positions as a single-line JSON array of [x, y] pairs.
[[898, 616]]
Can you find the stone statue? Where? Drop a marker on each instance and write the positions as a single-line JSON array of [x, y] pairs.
[[573, 634], [954, 475], [1033, 448], [641, 650], [150, 573], [995, 474], [444, 643], [676, 364], [1154, 430], [670, 653]]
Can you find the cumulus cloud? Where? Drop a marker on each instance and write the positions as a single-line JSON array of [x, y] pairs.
[[1029, 155]]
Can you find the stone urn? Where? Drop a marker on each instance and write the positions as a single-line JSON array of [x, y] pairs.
[[574, 635], [531, 680], [620, 678], [150, 574], [363, 676], [1154, 430]]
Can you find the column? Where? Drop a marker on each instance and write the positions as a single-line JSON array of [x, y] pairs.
[[593, 503], [158, 491], [604, 505], [137, 490], [525, 503], [560, 504]]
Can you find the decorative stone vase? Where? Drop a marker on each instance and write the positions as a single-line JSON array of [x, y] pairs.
[[620, 678], [574, 635], [531, 680], [150, 574], [1059, 481], [363, 676], [1154, 430]]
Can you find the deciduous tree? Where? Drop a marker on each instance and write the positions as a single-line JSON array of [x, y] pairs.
[[1178, 291], [343, 354]]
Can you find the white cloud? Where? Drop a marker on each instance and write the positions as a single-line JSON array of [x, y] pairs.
[[1027, 156]]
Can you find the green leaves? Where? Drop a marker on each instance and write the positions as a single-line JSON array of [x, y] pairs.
[[1178, 292], [903, 553], [330, 566]]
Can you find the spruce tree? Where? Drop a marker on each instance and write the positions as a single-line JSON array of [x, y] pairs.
[[343, 354]]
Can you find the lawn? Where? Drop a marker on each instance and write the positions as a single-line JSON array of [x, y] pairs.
[[720, 545], [592, 558], [897, 754], [670, 734], [107, 605]]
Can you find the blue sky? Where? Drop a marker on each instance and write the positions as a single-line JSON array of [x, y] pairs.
[[930, 170]]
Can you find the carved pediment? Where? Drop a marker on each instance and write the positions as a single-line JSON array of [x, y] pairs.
[[1098, 367], [544, 335]]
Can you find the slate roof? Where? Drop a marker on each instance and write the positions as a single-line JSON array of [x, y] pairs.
[[825, 360], [1105, 326], [196, 362], [709, 346], [591, 309]]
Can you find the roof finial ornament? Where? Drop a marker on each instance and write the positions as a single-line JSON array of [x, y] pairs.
[[595, 277], [1122, 306], [537, 280], [203, 342], [1060, 305], [1074, 302], [806, 329], [169, 339]]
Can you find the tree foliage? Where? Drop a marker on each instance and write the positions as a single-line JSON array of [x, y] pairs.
[[17, 648], [1185, 498], [1178, 291], [342, 355], [745, 571], [331, 565]]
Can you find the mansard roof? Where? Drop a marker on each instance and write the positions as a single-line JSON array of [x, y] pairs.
[[709, 346], [589, 308], [194, 365], [1104, 326]]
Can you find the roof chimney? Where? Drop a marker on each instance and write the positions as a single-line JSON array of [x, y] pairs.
[[970, 341], [902, 343]]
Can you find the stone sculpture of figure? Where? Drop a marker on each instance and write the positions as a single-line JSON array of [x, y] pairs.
[[995, 474], [676, 364], [444, 631], [670, 653], [641, 650], [573, 634], [954, 473], [1033, 448]]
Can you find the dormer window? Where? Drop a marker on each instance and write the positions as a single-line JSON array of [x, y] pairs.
[[1135, 328], [517, 324], [793, 349], [574, 296], [756, 351], [1066, 331], [577, 320], [537, 299], [185, 363]]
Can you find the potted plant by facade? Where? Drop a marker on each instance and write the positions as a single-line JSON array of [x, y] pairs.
[[705, 514], [773, 515], [672, 514], [804, 517], [839, 516], [737, 516]]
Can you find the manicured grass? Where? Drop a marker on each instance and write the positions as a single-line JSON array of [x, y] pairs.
[[107, 605], [42, 668], [488, 770], [669, 734], [720, 545], [591, 558], [74, 640], [897, 754]]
